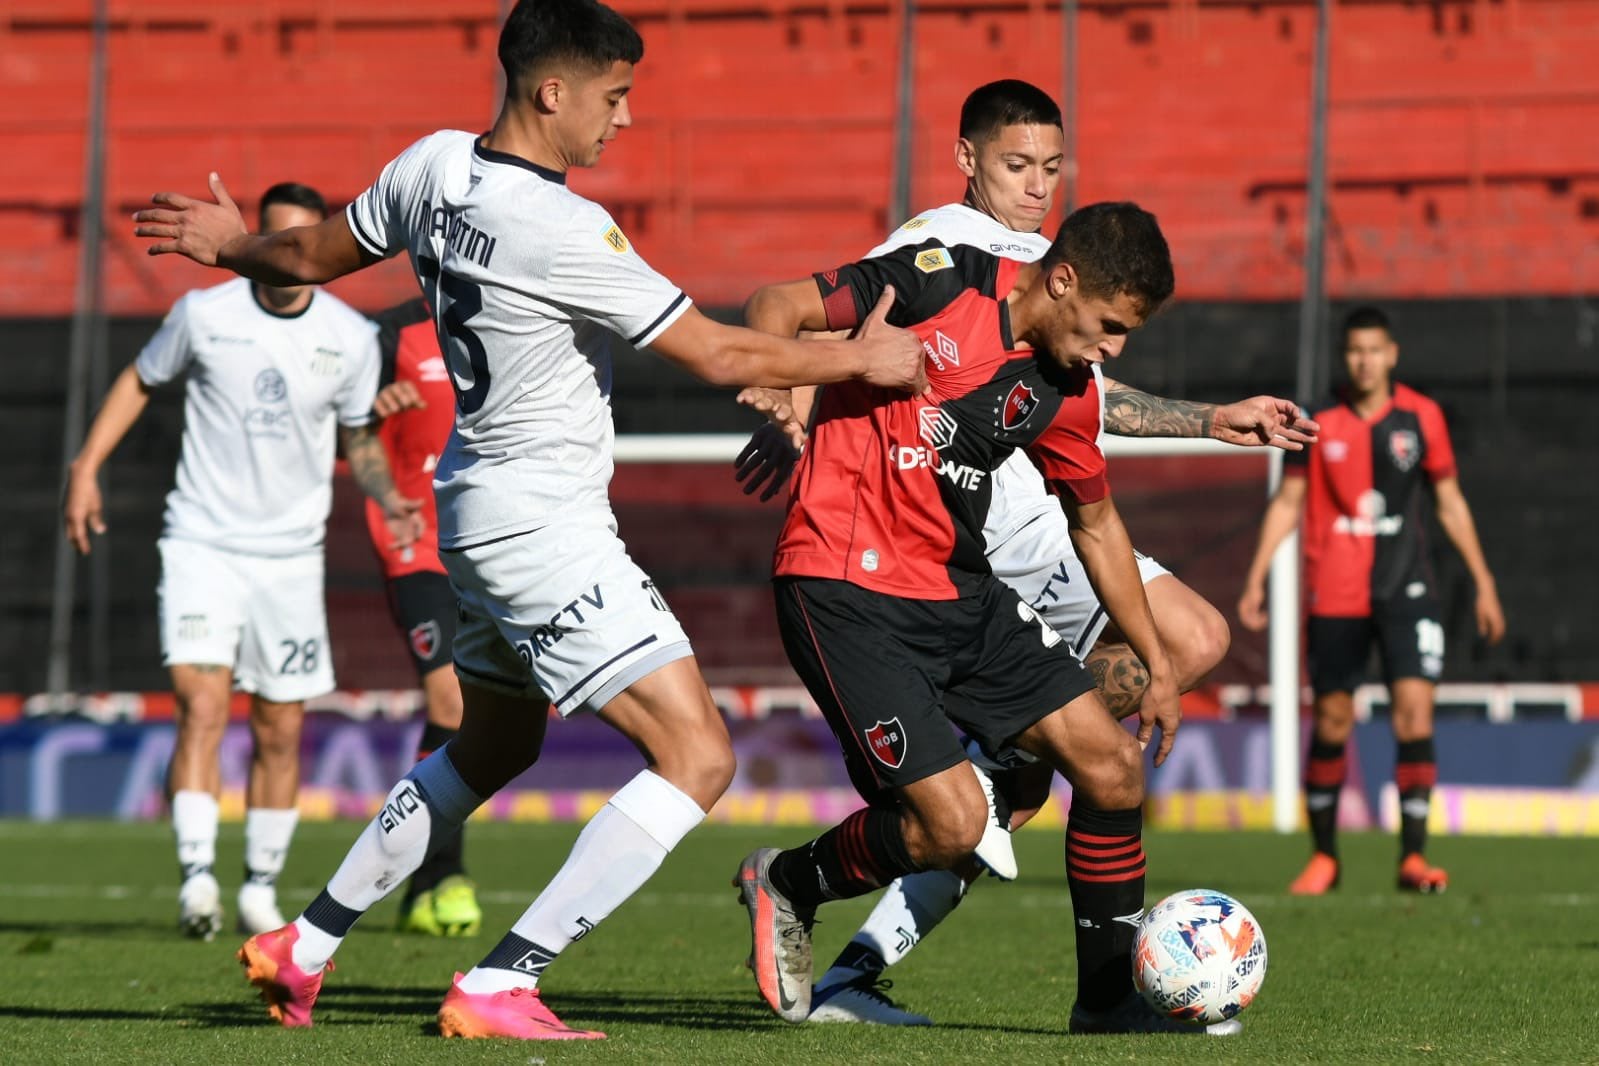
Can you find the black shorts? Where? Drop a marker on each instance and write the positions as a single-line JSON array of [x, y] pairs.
[[890, 674], [1409, 639], [423, 606]]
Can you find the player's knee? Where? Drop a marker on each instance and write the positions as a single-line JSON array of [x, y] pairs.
[[702, 770], [1114, 781], [1204, 644]]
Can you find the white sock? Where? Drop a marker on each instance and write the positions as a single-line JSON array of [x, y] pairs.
[[194, 822], [431, 798], [615, 854], [910, 909], [266, 843]]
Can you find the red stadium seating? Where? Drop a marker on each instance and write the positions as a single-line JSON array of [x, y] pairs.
[[1461, 147]]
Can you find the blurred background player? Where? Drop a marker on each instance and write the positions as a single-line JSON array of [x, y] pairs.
[[416, 403], [529, 281], [269, 372], [1009, 149], [1369, 581]]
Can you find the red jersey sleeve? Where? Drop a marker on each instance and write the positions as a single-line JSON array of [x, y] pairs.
[[1438, 455], [1067, 453]]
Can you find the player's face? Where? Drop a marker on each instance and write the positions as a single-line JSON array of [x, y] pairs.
[[1013, 175], [593, 111], [1088, 329], [1369, 356]]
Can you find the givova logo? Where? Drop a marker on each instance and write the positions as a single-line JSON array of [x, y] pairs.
[[400, 806]]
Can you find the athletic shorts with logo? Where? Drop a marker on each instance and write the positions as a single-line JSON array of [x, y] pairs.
[[1037, 561], [890, 674], [1408, 635], [263, 616], [562, 610], [422, 604]]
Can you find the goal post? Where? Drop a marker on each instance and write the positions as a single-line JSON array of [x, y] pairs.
[[1283, 638]]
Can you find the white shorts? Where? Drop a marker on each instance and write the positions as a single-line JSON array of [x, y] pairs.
[[262, 616], [1038, 562], [563, 610]]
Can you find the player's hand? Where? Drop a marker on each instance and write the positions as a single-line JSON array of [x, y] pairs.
[[82, 509], [896, 359], [403, 517], [190, 227], [778, 407], [1252, 606], [1490, 616], [1264, 421], [396, 397], [1162, 709], [767, 459]]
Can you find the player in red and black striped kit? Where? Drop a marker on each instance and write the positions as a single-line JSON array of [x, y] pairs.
[[417, 404], [1362, 491], [894, 621]]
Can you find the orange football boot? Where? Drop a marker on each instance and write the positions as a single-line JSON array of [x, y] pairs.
[[1319, 876], [1415, 875]]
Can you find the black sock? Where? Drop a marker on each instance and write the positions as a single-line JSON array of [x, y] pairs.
[[860, 957], [862, 853], [1414, 775], [444, 858], [1105, 871], [1325, 771]]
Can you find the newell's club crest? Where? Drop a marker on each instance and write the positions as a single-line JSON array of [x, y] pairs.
[[1020, 403], [887, 742], [425, 639], [1404, 448]]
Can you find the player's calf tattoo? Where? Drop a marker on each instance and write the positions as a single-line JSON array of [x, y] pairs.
[[1120, 677]]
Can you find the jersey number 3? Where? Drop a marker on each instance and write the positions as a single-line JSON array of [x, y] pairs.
[[456, 301]]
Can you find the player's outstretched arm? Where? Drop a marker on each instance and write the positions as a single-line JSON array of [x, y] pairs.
[[1282, 517], [1260, 421], [1455, 517], [369, 466], [729, 355], [83, 510], [214, 234], [1106, 551]]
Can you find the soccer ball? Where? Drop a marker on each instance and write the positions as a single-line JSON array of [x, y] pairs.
[[1199, 956]]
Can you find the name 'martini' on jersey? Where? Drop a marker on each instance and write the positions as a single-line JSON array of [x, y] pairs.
[[528, 282]]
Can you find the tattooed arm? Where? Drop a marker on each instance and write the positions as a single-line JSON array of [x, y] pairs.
[[369, 466], [1255, 422]]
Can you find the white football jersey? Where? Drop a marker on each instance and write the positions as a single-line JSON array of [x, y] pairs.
[[1019, 495], [264, 392], [527, 281]]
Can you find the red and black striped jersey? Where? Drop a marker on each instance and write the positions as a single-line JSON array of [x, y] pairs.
[[412, 439], [892, 490], [1364, 526]]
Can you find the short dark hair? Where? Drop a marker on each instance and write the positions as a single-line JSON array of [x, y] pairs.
[[581, 33], [1115, 248], [992, 107], [295, 195], [1365, 318]]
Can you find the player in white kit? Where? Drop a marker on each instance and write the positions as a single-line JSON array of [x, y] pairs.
[[271, 375], [1009, 150], [528, 281]]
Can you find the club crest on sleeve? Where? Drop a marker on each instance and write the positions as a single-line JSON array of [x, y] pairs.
[[1020, 403], [615, 239], [1404, 448], [887, 743], [915, 223], [425, 639], [933, 260]]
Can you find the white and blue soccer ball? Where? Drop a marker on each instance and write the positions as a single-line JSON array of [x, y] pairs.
[[1199, 956]]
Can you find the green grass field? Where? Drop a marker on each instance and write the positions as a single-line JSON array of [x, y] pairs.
[[1504, 968]]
